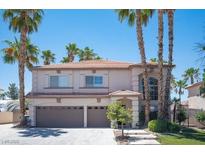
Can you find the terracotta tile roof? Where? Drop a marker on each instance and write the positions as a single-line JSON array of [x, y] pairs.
[[194, 85], [79, 95], [99, 64], [65, 95], [87, 64]]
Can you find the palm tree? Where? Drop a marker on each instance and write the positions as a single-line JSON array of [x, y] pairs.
[[12, 52], [167, 98], [24, 21], [153, 60], [141, 18], [160, 64], [175, 101], [48, 57], [64, 60], [201, 50], [87, 54], [178, 87], [98, 58], [72, 50], [192, 74]]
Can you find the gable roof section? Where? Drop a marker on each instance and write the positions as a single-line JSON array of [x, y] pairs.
[[93, 64], [125, 93], [194, 85]]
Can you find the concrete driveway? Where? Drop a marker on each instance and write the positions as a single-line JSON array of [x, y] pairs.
[[78, 136]]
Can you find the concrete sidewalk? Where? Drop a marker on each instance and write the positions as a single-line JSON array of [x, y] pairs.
[[140, 136]]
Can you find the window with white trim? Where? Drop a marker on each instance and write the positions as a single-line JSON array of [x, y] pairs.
[[58, 81], [93, 81]]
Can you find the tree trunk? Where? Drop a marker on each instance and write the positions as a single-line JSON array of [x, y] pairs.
[[122, 128], [169, 69], [174, 112], [21, 75], [192, 80], [160, 64], [180, 91], [144, 64]]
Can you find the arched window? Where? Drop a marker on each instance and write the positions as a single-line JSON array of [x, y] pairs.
[[153, 88]]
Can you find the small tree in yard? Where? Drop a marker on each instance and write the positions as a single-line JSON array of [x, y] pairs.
[[181, 115], [12, 91], [117, 112]]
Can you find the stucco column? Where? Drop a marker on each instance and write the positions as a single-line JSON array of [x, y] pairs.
[[135, 112], [32, 110], [85, 116]]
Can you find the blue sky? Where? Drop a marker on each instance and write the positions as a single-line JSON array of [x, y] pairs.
[[101, 31]]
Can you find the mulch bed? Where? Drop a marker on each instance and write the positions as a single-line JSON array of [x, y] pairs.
[[119, 139]]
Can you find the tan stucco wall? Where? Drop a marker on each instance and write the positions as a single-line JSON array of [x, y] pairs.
[[113, 80], [77, 80], [9, 117], [194, 91], [196, 102]]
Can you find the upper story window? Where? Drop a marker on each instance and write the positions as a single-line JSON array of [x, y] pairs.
[[153, 88], [58, 81], [93, 81]]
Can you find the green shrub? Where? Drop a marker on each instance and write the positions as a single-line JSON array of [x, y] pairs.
[[200, 116], [181, 115], [158, 126], [173, 127]]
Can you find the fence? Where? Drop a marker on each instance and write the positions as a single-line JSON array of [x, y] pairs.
[[191, 120], [9, 117]]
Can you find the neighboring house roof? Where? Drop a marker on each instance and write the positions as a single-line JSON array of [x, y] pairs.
[[194, 85], [90, 64]]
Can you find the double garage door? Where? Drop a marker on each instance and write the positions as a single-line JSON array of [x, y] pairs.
[[71, 117]]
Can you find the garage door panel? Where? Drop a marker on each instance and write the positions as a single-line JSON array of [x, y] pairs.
[[57, 116], [97, 117]]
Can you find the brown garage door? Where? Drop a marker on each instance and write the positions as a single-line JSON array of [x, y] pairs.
[[96, 117], [59, 116]]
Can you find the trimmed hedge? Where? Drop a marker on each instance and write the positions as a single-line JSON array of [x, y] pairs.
[[173, 127], [161, 126], [158, 126]]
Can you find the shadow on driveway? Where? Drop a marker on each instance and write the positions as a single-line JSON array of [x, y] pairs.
[[41, 132]]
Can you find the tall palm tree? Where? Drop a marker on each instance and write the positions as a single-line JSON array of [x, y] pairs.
[[178, 87], [167, 99], [72, 50], [191, 74], [12, 51], [201, 50], [160, 64], [87, 54], [48, 57], [24, 21], [140, 18]]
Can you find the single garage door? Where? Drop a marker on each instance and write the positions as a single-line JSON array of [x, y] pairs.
[[59, 116], [96, 116]]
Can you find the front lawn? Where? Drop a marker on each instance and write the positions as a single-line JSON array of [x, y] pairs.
[[187, 136]]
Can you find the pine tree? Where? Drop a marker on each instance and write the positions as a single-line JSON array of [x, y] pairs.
[[12, 91]]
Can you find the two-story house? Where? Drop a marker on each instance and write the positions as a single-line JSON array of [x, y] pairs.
[[76, 94]]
